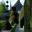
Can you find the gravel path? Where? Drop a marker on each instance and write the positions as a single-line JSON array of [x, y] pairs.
[[17, 29]]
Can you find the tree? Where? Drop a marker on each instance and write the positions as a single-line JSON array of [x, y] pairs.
[[2, 7]]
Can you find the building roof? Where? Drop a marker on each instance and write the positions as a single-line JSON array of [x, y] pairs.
[[18, 5]]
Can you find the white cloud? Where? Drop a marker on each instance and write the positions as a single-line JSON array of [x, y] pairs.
[[22, 2], [13, 2], [0, 0]]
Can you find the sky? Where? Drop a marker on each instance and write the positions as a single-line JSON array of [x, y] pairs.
[[13, 2]]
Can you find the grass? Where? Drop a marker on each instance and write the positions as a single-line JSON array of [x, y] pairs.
[[13, 28]]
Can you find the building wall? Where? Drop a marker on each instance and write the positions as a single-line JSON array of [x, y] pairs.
[[21, 15]]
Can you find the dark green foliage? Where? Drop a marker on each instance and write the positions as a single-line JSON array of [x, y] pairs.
[[13, 28], [2, 25], [27, 16], [31, 16], [2, 7], [8, 26], [15, 14], [5, 25]]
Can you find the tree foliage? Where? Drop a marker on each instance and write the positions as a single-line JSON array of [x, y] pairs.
[[2, 7], [2, 24], [27, 16]]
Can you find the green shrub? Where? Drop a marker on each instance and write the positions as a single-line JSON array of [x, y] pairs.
[[2, 7], [12, 30], [2, 25]]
